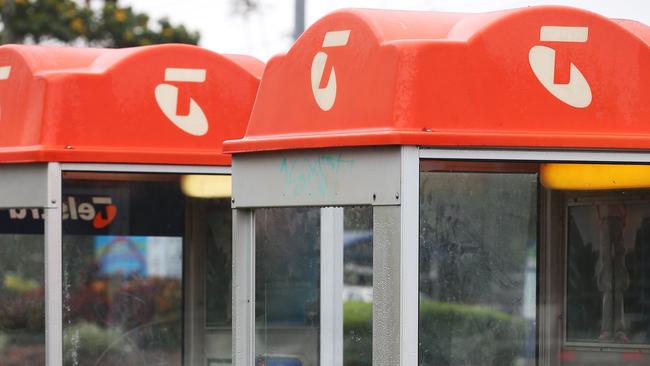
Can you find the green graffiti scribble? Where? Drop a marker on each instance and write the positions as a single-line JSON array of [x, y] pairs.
[[319, 174]]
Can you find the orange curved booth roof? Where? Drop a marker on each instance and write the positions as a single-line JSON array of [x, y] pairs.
[[547, 76], [165, 104]]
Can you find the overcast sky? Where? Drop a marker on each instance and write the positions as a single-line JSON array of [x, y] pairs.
[[267, 31]]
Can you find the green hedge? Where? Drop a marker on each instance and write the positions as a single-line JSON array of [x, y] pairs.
[[451, 334], [357, 333]]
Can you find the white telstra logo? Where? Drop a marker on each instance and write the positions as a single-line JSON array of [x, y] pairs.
[[576, 92], [326, 96], [195, 123], [5, 71]]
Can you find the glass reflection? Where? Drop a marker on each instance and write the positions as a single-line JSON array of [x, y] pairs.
[[217, 288], [123, 271], [357, 286], [22, 301], [607, 273], [287, 286], [128, 297], [478, 254]]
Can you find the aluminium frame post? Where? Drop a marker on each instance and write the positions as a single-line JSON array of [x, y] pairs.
[[395, 270], [386, 290], [53, 268], [331, 290], [243, 291], [409, 255]]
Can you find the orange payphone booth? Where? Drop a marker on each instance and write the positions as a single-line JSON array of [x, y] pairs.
[[115, 226], [443, 142]]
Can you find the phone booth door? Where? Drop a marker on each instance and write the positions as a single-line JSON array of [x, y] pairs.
[[317, 255]]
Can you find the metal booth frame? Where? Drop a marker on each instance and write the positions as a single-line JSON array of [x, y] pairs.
[[113, 111], [395, 246], [384, 178]]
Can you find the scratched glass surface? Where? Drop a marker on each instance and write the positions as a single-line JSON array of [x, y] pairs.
[[478, 248], [218, 266], [212, 225], [287, 285], [357, 286], [124, 240], [22, 304]]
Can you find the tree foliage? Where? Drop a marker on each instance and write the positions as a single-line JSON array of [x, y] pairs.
[[69, 21]]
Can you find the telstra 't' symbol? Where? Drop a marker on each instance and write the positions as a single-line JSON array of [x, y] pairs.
[[326, 96], [576, 92]]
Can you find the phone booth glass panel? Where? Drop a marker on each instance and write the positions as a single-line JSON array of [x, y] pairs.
[[597, 231], [290, 292], [478, 257], [26, 213], [22, 287], [287, 290], [131, 250]]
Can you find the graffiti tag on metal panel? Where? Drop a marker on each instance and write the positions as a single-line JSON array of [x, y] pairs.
[[314, 175]]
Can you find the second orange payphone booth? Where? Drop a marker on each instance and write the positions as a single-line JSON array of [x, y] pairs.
[[115, 235], [403, 195]]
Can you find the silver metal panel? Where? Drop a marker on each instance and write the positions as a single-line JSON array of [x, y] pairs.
[[386, 328], [536, 155], [409, 255], [53, 269], [331, 290], [146, 168], [323, 177], [243, 282], [23, 185]]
